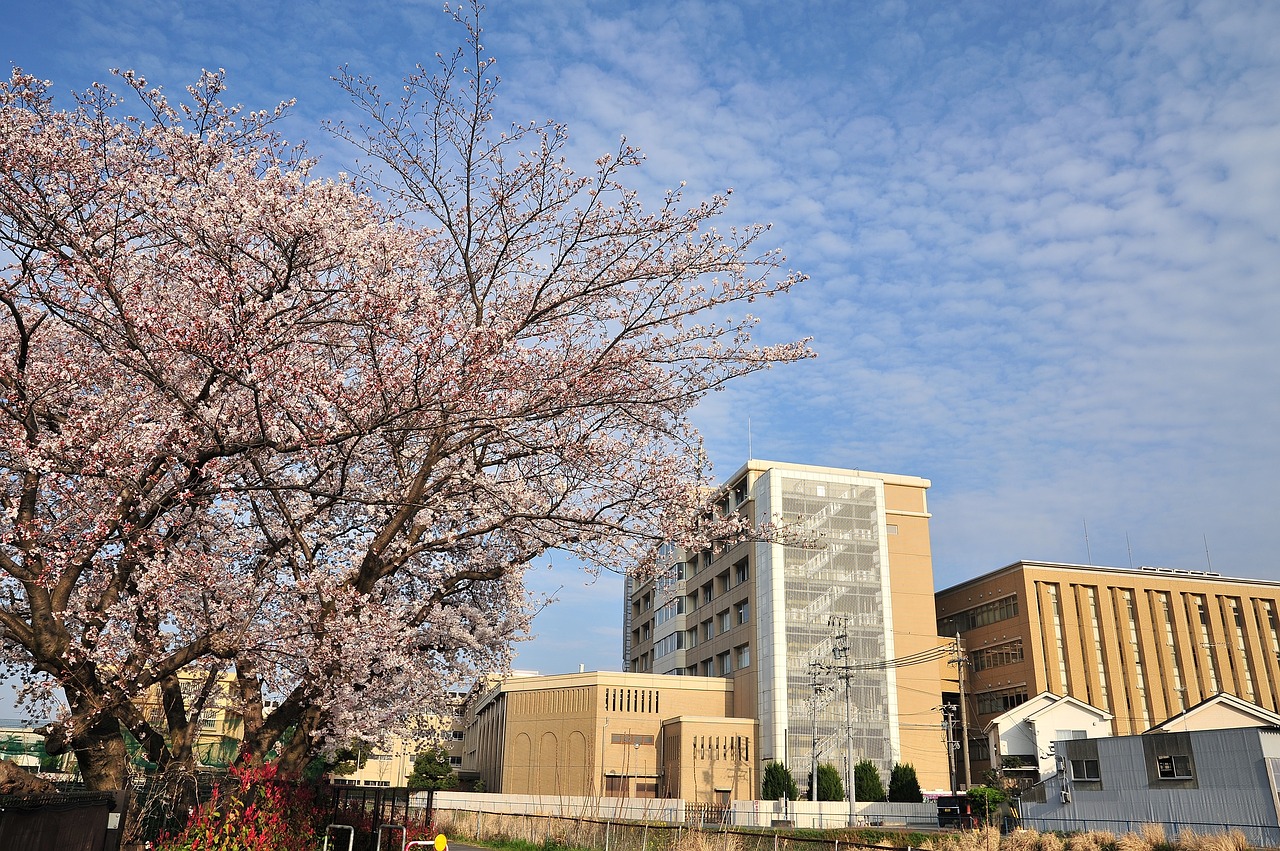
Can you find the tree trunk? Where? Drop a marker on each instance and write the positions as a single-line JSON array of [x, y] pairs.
[[102, 755]]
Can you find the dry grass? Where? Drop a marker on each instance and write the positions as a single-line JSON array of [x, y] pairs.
[[1097, 840], [697, 840], [1232, 840], [983, 839], [585, 833]]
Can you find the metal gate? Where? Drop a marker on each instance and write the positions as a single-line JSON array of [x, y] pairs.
[[367, 809], [70, 821]]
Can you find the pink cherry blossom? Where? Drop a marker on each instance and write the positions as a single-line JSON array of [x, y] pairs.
[[303, 435]]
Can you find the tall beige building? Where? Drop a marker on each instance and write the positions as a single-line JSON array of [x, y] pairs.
[[836, 596], [1141, 643]]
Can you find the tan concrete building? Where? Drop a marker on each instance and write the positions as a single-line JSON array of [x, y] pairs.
[[392, 762], [219, 729], [839, 594], [613, 735], [1143, 644]]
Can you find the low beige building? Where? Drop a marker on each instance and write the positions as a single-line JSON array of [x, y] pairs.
[[612, 735]]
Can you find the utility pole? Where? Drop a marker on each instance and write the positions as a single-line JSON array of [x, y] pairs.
[[961, 661], [947, 712], [853, 768], [841, 651], [813, 747]]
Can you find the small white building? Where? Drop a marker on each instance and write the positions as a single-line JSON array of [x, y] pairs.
[[1204, 781], [1222, 711], [1022, 739]]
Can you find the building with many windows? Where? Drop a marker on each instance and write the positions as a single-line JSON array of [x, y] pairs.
[[1142, 644], [826, 628]]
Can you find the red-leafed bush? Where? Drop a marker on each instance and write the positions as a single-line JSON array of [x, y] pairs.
[[262, 813]]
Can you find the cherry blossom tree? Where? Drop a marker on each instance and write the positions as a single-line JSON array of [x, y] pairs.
[[286, 444]]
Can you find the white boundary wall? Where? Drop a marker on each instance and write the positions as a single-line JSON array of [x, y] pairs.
[[741, 813]]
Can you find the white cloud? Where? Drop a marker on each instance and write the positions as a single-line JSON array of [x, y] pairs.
[[1043, 238]]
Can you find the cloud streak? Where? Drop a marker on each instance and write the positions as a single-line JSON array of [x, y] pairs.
[[1043, 238]]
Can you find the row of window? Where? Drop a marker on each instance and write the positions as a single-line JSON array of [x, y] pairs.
[[1001, 700], [723, 664], [721, 747], [1170, 767], [631, 700], [720, 585], [992, 612], [669, 611], [668, 645], [722, 623], [997, 656], [680, 604]]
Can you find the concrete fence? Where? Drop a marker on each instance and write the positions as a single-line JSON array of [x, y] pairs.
[[806, 814]]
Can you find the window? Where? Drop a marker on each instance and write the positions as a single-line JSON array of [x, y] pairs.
[[456, 735], [706, 593], [993, 612], [455, 762], [670, 644], [726, 663], [726, 623], [708, 630], [1001, 700], [693, 600], [744, 656], [669, 610], [1008, 653], [722, 583], [706, 668], [1176, 767], [742, 612], [1085, 769], [740, 572]]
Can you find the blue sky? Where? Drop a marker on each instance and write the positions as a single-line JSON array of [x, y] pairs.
[[1043, 238]]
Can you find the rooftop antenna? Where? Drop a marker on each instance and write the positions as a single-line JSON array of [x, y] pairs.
[[1207, 560], [1129, 547], [1087, 552], [748, 437]]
